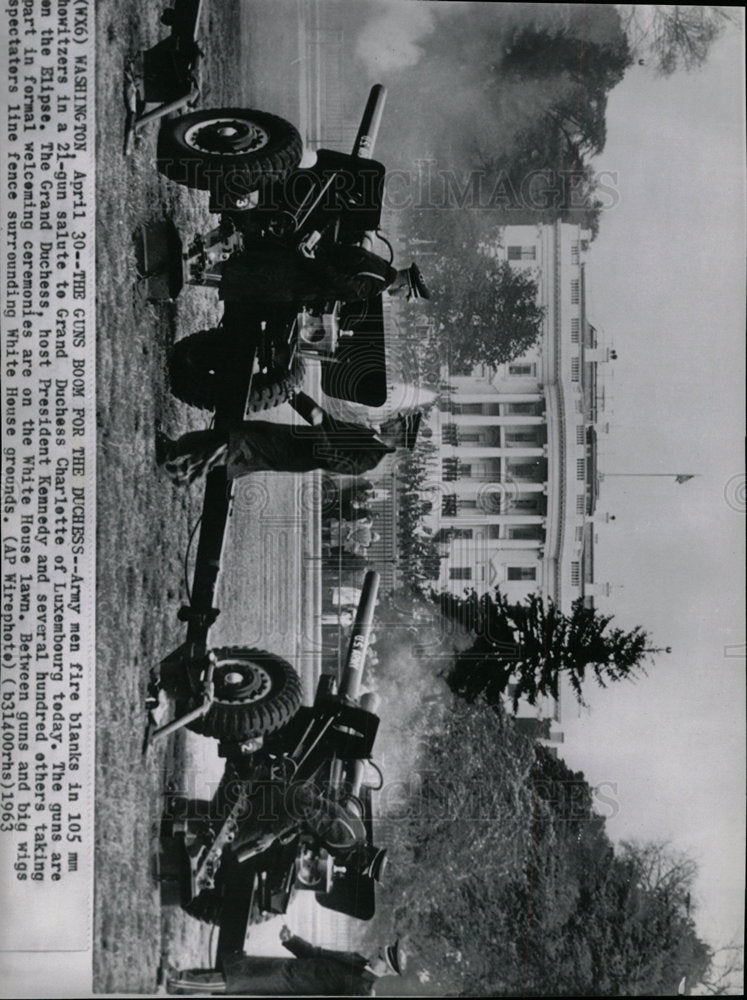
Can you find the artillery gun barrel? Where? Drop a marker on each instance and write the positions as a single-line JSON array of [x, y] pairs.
[[356, 656], [369, 126]]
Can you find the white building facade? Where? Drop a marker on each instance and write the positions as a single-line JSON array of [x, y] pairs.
[[518, 444]]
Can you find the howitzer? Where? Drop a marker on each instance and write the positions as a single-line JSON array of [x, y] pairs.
[[294, 810], [250, 163]]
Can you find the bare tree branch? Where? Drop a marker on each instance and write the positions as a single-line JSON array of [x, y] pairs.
[[672, 36]]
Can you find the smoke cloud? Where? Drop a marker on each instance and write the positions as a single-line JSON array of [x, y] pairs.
[[450, 98], [389, 41], [413, 661]]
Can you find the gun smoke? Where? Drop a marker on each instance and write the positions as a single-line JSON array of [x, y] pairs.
[[450, 97]]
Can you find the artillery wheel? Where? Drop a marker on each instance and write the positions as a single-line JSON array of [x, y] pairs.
[[206, 907], [197, 364], [194, 364], [239, 144], [255, 693], [275, 386]]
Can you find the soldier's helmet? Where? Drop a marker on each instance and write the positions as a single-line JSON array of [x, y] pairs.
[[406, 426]]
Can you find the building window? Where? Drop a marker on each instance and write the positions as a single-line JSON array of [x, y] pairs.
[[449, 434], [524, 409], [465, 533], [449, 469], [461, 369], [581, 504], [470, 437], [523, 369], [575, 330], [528, 472], [472, 408], [575, 369], [523, 503], [493, 501], [575, 292], [460, 573], [580, 533], [575, 574], [449, 506], [522, 253], [580, 434], [526, 532], [574, 252], [522, 572], [466, 503], [513, 438], [581, 468]]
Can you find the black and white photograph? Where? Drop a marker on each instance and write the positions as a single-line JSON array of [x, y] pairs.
[[373, 498]]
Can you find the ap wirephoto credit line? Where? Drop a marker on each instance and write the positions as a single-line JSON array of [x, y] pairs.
[[373, 536]]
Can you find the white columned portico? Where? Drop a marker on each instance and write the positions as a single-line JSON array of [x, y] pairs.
[[508, 420], [480, 451], [489, 396], [480, 520]]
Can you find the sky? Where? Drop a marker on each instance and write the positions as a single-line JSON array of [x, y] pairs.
[[666, 286]]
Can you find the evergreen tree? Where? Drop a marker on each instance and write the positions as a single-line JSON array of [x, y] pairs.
[[532, 644]]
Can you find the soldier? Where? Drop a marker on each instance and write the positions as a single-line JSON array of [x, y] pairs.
[[313, 972], [336, 825], [270, 272], [258, 445]]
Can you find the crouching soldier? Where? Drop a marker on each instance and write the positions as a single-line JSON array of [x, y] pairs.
[[270, 272], [258, 445], [313, 972]]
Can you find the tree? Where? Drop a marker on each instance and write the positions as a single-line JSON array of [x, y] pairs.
[[506, 882], [533, 644], [668, 948], [673, 37], [725, 975], [484, 311], [545, 172], [662, 869], [417, 552]]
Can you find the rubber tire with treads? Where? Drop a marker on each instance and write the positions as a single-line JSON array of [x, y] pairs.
[[207, 907], [235, 716], [275, 386], [197, 365], [186, 161]]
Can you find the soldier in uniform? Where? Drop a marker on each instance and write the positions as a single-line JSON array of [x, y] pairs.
[[270, 272], [258, 445], [313, 972]]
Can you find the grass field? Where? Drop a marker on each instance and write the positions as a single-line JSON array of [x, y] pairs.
[[143, 523]]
